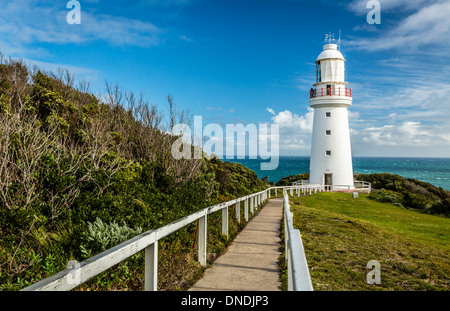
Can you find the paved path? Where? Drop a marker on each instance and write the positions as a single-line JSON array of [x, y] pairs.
[[250, 262]]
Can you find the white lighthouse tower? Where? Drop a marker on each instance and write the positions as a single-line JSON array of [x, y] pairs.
[[331, 156]]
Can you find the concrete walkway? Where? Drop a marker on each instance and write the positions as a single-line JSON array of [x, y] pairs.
[[250, 262]]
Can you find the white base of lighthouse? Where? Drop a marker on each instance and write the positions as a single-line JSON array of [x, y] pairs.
[[331, 157]]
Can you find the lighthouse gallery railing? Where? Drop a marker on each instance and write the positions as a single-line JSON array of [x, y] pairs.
[[330, 91]]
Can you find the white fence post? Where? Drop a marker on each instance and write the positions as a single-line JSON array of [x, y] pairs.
[[202, 235], [151, 267], [238, 212], [252, 208], [246, 209], [225, 221]]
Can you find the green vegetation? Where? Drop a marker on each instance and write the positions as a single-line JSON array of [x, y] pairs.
[[397, 190], [342, 234], [288, 180], [408, 192], [80, 173]]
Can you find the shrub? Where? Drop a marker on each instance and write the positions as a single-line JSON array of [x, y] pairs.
[[386, 196], [288, 180], [101, 236], [408, 192]]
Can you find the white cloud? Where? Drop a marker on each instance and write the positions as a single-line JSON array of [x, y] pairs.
[[119, 30], [404, 134], [423, 101], [80, 73], [295, 131], [184, 38], [353, 115], [270, 110], [360, 6], [287, 119], [414, 118], [217, 108], [428, 26], [25, 22]]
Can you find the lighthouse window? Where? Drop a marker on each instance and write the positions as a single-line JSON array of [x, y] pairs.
[[328, 132], [328, 114], [318, 73], [328, 152]]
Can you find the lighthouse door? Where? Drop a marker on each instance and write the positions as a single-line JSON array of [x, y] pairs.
[[328, 179]]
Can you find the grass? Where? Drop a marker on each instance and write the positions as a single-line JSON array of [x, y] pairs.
[[342, 234]]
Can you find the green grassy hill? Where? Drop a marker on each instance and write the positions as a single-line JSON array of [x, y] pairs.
[[341, 234]]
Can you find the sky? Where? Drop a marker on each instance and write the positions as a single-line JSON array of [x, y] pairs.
[[252, 62]]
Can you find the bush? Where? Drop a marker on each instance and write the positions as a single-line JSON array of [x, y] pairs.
[[288, 180], [442, 207], [408, 192], [101, 236], [386, 196]]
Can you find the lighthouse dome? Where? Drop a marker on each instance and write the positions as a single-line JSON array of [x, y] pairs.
[[330, 51]]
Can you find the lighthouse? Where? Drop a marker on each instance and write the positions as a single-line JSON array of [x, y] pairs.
[[331, 156]]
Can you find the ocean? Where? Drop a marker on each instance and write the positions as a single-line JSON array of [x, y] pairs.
[[435, 171]]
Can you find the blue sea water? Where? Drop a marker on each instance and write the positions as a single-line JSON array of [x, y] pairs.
[[435, 171]]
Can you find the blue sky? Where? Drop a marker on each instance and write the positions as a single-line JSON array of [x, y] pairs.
[[253, 61]]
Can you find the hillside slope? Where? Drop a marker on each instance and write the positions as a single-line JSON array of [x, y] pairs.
[[408, 192], [79, 173], [341, 235]]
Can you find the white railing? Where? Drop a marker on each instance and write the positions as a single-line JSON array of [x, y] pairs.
[[300, 182], [362, 186], [148, 241], [297, 266]]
